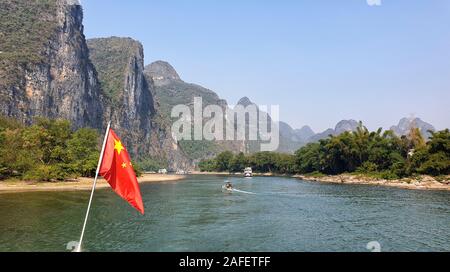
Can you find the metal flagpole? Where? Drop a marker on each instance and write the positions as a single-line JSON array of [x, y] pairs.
[[78, 249]]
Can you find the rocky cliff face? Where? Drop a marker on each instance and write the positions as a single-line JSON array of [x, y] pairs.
[[170, 90], [162, 73], [51, 75], [130, 105]]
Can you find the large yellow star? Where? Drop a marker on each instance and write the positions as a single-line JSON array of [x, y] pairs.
[[118, 146]]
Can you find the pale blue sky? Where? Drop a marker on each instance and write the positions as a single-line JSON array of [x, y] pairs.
[[321, 61]]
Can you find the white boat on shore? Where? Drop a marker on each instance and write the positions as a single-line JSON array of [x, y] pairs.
[[248, 172]]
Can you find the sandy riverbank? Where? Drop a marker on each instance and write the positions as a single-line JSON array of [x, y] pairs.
[[81, 184], [421, 183]]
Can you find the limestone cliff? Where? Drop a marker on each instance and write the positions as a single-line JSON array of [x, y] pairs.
[[170, 90], [44, 65], [46, 71], [129, 104]]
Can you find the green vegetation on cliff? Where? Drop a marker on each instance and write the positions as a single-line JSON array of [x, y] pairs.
[[110, 57], [200, 149], [25, 29], [149, 164], [372, 153]]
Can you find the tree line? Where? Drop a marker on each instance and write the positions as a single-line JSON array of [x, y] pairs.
[[378, 153], [50, 150], [47, 150]]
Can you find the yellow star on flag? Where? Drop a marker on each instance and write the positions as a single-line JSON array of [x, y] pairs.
[[118, 146], [124, 165]]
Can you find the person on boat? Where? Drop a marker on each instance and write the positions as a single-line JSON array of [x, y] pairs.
[[229, 186]]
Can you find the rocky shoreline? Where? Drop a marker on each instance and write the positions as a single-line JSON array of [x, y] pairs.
[[419, 183]]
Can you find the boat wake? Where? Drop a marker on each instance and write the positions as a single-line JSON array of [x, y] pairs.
[[243, 192]]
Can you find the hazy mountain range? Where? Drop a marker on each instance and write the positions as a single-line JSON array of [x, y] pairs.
[[306, 135]]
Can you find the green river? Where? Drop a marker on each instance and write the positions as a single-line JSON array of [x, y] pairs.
[[267, 214]]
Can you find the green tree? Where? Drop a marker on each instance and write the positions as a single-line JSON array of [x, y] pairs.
[[437, 161], [238, 163], [83, 152], [263, 162], [285, 164], [308, 159], [48, 150], [223, 161], [15, 159], [208, 165]]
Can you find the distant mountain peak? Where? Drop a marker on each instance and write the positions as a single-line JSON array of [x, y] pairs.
[[304, 133], [245, 101], [161, 71], [405, 125], [346, 125], [341, 127], [306, 128]]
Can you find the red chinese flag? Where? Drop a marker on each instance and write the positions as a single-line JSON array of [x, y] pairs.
[[117, 169]]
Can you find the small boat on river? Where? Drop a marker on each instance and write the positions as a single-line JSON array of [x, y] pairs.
[[228, 187]]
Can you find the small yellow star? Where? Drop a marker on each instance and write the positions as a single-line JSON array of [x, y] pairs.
[[124, 165], [118, 146], [131, 164]]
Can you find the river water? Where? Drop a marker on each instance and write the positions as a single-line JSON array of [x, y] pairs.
[[281, 214]]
